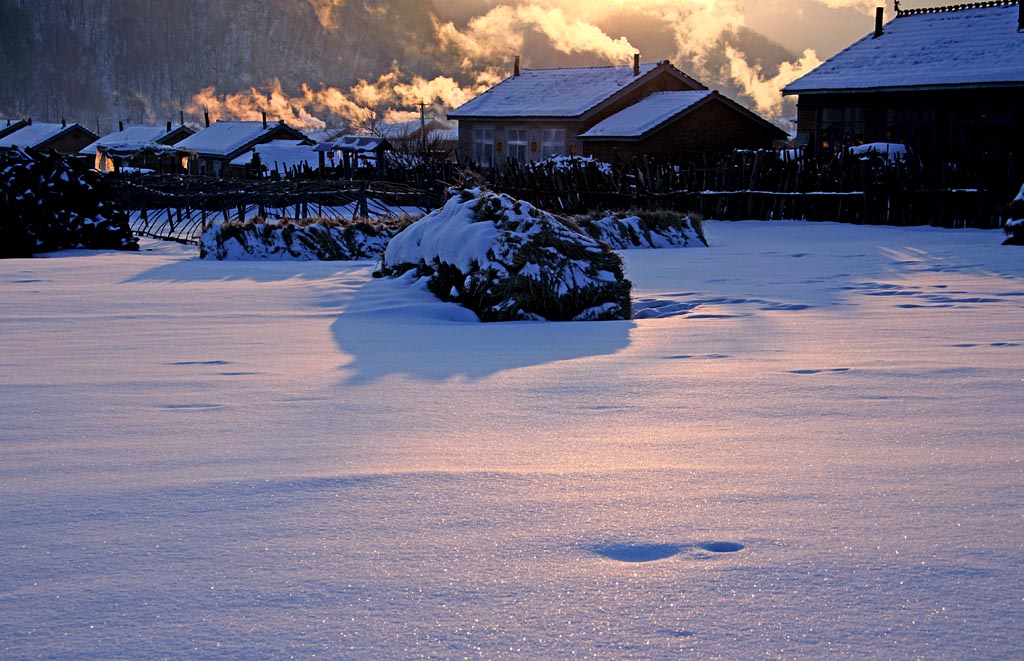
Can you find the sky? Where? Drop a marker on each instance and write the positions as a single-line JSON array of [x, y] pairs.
[[702, 37]]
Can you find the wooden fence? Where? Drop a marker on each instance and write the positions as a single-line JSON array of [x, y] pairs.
[[774, 185], [178, 207]]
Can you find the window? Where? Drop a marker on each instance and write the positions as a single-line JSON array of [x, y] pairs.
[[481, 150], [552, 142], [842, 126], [518, 145]]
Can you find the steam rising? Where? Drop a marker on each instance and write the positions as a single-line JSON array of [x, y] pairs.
[[484, 47]]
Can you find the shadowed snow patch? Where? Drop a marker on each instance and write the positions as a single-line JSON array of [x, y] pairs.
[[636, 552], [721, 547]]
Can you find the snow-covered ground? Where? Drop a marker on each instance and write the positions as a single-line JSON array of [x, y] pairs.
[[808, 445]]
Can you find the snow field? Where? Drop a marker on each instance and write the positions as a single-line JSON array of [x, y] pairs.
[[806, 446]]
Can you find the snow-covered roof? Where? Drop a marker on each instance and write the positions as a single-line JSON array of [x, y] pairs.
[[37, 133], [413, 126], [928, 49], [281, 154], [357, 143], [556, 93], [646, 114], [225, 138], [132, 133]]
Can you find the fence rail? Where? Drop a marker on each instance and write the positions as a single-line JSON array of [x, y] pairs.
[[179, 207]]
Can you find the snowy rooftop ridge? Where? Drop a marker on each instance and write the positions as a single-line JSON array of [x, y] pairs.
[[647, 114], [132, 133], [281, 154], [555, 93], [227, 137], [37, 133], [960, 46]]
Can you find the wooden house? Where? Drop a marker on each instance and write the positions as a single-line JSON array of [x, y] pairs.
[[354, 156], [947, 82], [215, 146], [140, 146], [277, 159], [62, 138], [539, 113], [674, 124]]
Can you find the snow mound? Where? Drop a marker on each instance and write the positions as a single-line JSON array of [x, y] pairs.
[[48, 203], [326, 240], [1014, 226], [505, 260], [645, 229]]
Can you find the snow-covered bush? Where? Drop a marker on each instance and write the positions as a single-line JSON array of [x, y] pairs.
[[313, 239], [568, 163], [49, 202], [644, 229], [505, 259], [1014, 227]]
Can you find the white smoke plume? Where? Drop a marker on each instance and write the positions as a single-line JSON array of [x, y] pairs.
[[763, 90], [485, 46]]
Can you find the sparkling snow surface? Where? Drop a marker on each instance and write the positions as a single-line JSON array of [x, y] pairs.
[[815, 451], [966, 47]]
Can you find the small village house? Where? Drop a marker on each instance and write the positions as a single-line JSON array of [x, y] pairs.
[[354, 155], [216, 145], [674, 124], [277, 158], [540, 113], [141, 147], [63, 138], [947, 82]]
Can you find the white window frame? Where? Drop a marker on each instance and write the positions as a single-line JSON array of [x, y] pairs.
[[518, 140], [552, 143], [481, 146]]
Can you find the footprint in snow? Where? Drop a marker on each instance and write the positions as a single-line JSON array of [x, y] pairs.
[[629, 552], [636, 552], [822, 371]]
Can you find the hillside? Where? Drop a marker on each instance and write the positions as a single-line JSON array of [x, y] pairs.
[[97, 61]]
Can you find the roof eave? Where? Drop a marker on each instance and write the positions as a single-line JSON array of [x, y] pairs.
[[904, 88]]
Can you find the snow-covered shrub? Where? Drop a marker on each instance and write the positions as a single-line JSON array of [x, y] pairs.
[[1014, 227], [644, 229], [49, 202], [567, 163], [313, 239], [505, 259]]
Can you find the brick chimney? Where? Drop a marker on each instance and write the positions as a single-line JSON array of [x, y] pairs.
[[264, 113], [636, 64], [206, 116], [120, 125], [515, 67], [879, 17]]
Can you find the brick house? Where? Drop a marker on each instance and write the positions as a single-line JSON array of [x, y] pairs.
[[671, 124], [538, 113], [947, 82]]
